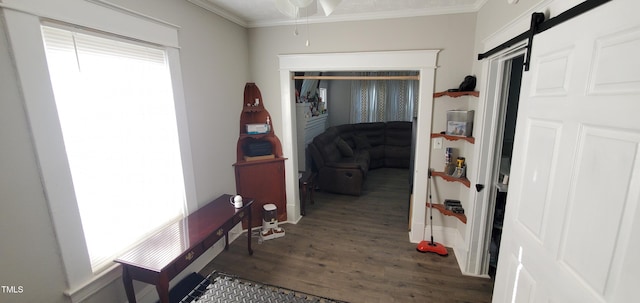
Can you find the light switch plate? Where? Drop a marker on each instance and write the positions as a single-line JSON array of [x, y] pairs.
[[437, 143]]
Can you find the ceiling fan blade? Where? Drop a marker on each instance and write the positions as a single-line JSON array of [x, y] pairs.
[[310, 10], [296, 8], [301, 3], [329, 5], [287, 8]]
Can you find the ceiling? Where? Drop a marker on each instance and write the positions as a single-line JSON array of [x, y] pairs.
[[261, 13]]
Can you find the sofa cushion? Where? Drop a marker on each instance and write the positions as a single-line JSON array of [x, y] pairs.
[[330, 152], [398, 133], [326, 145], [360, 160], [344, 148], [374, 132], [361, 141], [346, 132]]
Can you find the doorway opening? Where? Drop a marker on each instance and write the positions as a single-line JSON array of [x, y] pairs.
[[509, 88], [423, 61], [329, 98]]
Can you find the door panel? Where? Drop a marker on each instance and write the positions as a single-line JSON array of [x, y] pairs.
[[572, 222], [605, 159], [538, 173], [612, 75]]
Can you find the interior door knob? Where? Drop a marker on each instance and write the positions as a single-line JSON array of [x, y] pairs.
[[479, 187]]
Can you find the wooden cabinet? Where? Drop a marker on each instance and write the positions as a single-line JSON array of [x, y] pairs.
[[260, 177], [263, 181]]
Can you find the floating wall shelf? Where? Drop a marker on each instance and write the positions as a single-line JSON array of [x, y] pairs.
[[471, 140], [446, 177], [456, 94], [447, 212]]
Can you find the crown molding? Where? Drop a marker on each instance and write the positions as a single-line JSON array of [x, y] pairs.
[[220, 12], [367, 16], [472, 8]]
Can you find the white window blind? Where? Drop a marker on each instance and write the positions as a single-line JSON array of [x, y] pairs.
[[116, 109]]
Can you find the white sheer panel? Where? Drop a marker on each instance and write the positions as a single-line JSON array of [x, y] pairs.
[[384, 100], [117, 113]]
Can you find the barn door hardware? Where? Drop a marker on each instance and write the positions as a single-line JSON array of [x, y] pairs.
[[539, 25]]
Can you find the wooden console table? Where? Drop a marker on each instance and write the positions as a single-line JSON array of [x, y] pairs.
[[162, 256]]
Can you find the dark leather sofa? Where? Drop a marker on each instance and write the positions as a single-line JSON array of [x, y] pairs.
[[344, 154]]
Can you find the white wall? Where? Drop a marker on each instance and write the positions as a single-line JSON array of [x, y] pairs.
[[495, 14], [453, 34], [214, 60], [339, 102], [29, 256]]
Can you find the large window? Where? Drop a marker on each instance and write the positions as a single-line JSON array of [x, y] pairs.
[[116, 109]]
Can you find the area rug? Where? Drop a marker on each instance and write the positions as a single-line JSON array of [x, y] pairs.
[[225, 288]]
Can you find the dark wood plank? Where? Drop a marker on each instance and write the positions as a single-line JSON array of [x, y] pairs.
[[356, 249]]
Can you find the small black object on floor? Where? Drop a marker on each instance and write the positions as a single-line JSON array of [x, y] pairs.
[[185, 286]]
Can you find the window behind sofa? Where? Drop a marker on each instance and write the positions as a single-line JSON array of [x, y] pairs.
[[384, 100], [116, 110]]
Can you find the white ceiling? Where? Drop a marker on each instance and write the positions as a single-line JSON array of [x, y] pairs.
[[260, 13]]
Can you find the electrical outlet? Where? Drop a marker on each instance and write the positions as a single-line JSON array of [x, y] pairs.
[[437, 143]]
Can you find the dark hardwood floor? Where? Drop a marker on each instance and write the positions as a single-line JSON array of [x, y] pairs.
[[355, 249]]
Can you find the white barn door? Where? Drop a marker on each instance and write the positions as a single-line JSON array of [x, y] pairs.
[[572, 227]]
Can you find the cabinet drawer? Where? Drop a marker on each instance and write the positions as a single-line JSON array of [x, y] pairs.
[[183, 261], [239, 217], [214, 237]]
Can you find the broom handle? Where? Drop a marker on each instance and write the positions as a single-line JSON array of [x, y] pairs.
[[430, 206]]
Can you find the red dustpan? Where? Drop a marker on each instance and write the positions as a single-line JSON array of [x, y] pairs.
[[431, 246]]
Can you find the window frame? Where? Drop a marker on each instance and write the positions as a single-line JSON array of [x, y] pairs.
[[23, 23], [85, 37]]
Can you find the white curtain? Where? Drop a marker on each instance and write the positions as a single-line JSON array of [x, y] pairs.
[[384, 100]]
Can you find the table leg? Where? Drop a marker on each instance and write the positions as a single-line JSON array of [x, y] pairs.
[[303, 198], [128, 285], [226, 241], [163, 288], [249, 231], [312, 186]]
